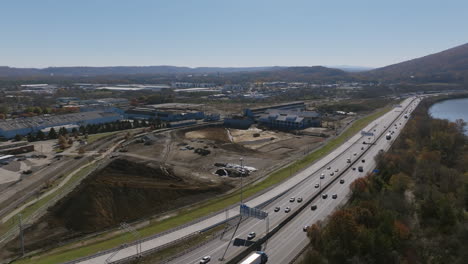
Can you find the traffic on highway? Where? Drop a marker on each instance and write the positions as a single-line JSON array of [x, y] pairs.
[[321, 189]]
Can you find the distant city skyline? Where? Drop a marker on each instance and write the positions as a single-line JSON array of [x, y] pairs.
[[214, 33]]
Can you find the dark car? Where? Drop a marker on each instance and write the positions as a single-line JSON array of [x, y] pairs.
[[277, 209], [313, 207], [360, 169], [363, 160], [324, 196], [251, 236], [335, 196], [354, 169], [341, 181]]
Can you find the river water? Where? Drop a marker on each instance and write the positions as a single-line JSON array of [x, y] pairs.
[[451, 109]]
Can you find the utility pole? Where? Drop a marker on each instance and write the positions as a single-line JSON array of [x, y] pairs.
[[267, 231], [242, 176], [135, 234], [21, 234], [233, 234]]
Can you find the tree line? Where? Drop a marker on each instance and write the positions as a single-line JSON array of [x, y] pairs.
[[92, 129], [413, 210]]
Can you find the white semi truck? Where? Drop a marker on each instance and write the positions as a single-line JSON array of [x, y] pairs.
[[258, 257]]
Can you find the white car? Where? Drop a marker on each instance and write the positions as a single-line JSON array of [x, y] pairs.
[[205, 260]]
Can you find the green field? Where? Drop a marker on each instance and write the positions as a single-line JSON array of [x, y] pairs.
[[95, 137], [65, 253]]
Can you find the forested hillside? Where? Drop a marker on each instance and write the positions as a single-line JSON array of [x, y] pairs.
[[412, 211]]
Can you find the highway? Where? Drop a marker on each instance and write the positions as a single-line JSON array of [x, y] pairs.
[[291, 239], [299, 185]]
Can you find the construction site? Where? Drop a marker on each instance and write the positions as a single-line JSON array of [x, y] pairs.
[[144, 176], [153, 175]]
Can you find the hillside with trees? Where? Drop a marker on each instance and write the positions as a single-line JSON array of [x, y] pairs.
[[412, 211], [450, 65]]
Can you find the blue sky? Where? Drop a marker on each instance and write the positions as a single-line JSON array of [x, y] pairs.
[[41, 33]]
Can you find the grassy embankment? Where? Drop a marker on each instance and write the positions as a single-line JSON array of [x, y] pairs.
[[26, 212], [95, 137], [67, 253]]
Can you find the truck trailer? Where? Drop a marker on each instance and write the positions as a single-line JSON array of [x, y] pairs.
[[258, 257]]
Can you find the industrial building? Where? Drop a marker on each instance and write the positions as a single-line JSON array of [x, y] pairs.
[[238, 122], [255, 113], [16, 148], [106, 102], [289, 119], [169, 112], [24, 126]]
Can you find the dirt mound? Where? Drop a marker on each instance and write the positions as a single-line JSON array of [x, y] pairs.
[[123, 191], [218, 134]]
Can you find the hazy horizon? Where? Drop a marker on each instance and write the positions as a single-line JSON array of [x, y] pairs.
[[211, 33]]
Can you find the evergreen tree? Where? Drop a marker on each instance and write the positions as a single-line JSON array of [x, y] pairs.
[[18, 137], [40, 135], [52, 134], [31, 137]]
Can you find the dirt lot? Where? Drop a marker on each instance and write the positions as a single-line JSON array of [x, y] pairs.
[[261, 149], [124, 191], [161, 172]]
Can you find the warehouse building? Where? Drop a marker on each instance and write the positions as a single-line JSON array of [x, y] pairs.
[[24, 126], [289, 120], [255, 113], [169, 112]]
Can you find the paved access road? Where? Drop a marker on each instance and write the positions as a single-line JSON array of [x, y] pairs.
[[300, 184], [291, 239]]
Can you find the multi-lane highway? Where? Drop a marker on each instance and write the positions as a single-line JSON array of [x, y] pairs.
[[300, 185], [291, 239]]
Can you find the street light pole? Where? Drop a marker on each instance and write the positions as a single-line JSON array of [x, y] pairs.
[[242, 176]]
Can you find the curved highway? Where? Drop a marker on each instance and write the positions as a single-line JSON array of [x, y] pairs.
[[291, 239], [300, 185]]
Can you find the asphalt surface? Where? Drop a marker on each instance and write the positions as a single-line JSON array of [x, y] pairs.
[[299, 185], [291, 239]]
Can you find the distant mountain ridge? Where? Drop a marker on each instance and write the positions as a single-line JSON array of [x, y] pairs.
[[447, 65], [124, 70]]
